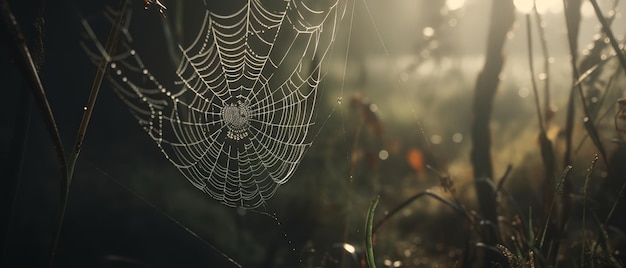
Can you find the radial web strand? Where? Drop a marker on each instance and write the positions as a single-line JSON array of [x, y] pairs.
[[236, 122]]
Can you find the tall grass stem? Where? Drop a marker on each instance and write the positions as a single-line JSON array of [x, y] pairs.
[[111, 43]]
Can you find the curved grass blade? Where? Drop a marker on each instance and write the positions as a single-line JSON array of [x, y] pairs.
[[369, 252], [456, 207]]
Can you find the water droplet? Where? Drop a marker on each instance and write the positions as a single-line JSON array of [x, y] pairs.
[[241, 211], [523, 92], [436, 139], [373, 108], [457, 137], [339, 100], [383, 154], [84, 108], [428, 32], [542, 76]]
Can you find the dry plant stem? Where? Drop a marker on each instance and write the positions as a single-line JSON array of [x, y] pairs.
[[29, 69], [542, 129], [597, 117], [546, 66], [502, 18], [607, 30], [547, 152], [572, 16], [504, 177], [84, 123], [572, 19], [111, 42]]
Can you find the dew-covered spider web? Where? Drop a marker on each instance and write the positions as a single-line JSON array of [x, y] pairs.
[[236, 122]]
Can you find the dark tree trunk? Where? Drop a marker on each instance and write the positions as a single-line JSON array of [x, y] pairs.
[[502, 19]]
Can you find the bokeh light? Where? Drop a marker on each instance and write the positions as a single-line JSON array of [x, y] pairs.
[[454, 4], [543, 6]]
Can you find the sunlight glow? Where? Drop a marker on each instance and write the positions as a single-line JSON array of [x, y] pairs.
[[552, 6], [524, 6], [586, 10], [454, 4], [428, 32], [543, 6]]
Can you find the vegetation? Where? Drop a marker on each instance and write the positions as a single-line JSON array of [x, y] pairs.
[[417, 161]]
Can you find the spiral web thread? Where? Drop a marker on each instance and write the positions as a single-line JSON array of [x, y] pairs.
[[236, 122]]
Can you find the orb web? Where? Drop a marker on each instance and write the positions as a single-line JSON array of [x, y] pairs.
[[236, 122]]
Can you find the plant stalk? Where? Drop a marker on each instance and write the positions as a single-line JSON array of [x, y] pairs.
[[111, 43]]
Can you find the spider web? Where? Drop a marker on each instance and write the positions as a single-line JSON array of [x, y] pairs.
[[236, 122]]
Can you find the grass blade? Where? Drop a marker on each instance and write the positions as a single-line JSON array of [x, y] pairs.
[[585, 192], [369, 247], [447, 202], [607, 30]]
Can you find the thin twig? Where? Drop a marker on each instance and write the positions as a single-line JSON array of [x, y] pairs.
[[531, 67]]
